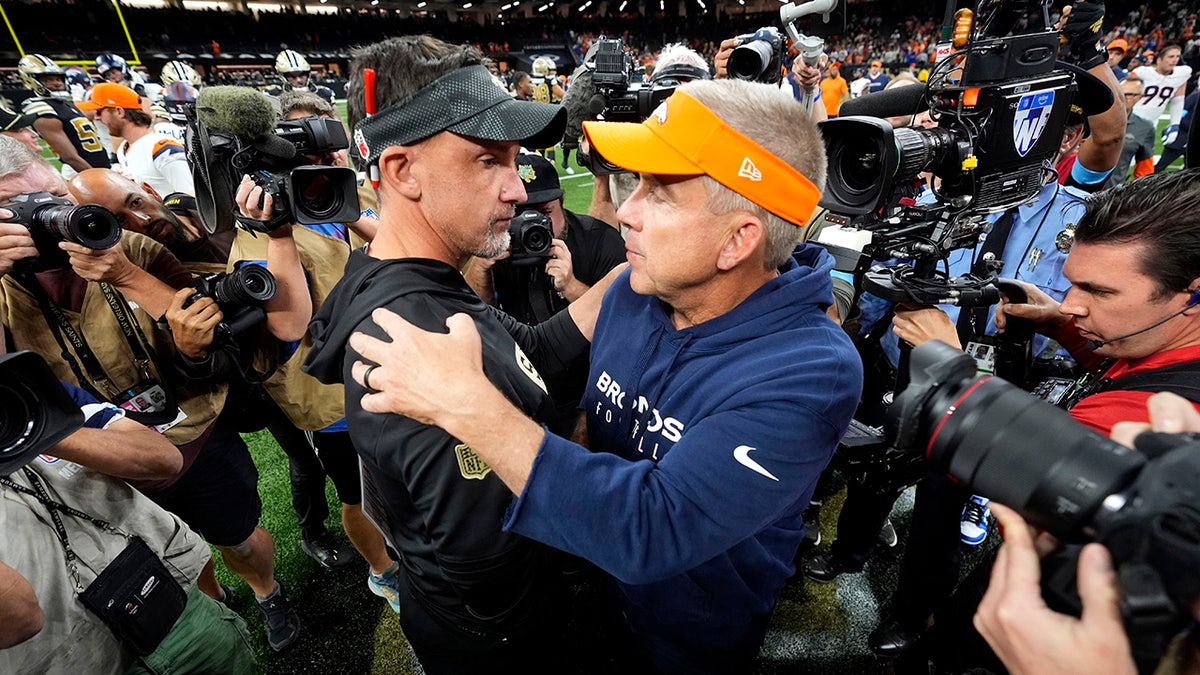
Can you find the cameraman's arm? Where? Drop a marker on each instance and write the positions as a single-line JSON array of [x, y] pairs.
[[20, 614], [1100, 151], [478, 274], [289, 312], [111, 265], [602, 207], [123, 449]]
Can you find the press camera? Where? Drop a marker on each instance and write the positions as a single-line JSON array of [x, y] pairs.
[[240, 294], [52, 219], [1064, 478], [35, 411]]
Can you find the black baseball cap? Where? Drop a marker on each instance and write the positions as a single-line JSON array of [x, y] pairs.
[[540, 178], [11, 121], [468, 102]]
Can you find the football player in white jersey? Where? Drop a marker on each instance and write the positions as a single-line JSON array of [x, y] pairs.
[[1166, 84]]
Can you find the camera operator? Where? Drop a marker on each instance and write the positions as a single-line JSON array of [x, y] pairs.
[[1132, 306], [474, 598], [582, 252], [1029, 637], [46, 626], [145, 156], [117, 355], [692, 492]]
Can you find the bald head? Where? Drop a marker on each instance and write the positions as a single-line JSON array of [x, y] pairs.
[[137, 208]]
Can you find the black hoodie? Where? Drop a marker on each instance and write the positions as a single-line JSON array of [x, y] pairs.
[[436, 502]]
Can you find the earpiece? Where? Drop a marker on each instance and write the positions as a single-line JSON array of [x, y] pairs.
[[1195, 298]]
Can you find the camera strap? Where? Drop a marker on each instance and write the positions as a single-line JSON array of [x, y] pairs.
[[60, 326], [39, 492]]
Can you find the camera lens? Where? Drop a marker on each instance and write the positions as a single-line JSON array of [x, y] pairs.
[[247, 285], [536, 239], [319, 197], [861, 165], [19, 415], [748, 61], [88, 225]]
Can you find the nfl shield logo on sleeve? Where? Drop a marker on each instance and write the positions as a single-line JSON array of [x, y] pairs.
[[1033, 112]]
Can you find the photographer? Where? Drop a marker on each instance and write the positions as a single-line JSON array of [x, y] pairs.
[[306, 417], [581, 253], [692, 491], [1029, 637], [117, 354], [47, 627]]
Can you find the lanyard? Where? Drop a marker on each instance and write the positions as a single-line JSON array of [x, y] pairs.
[[39, 492], [60, 326]]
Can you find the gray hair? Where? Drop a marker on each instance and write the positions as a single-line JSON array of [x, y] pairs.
[[676, 53], [781, 126], [16, 157]]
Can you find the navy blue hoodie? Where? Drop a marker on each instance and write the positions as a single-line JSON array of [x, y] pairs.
[[706, 445]]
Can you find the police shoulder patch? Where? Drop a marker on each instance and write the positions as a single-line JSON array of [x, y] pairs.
[[470, 464]]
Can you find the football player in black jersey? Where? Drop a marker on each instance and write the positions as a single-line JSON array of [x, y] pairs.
[[69, 133]]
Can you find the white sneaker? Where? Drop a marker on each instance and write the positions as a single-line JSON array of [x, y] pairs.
[[974, 526]]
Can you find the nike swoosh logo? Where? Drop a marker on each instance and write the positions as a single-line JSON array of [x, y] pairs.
[[742, 454]]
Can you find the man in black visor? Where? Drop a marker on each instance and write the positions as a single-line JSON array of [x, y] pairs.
[[439, 139]]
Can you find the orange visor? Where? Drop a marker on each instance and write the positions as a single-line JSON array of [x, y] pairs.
[[683, 138]]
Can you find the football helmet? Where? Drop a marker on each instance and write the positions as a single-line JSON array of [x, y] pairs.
[[543, 66], [289, 63], [33, 67], [107, 62], [177, 98], [78, 76], [178, 71]]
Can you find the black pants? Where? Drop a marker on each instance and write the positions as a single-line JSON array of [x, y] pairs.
[[312, 456]]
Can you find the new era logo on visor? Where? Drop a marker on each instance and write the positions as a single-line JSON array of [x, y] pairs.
[[750, 171]]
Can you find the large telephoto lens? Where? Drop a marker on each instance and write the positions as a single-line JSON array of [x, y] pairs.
[[19, 416], [1005, 443], [88, 225], [247, 285]]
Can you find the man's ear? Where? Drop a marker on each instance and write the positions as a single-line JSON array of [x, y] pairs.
[[747, 234], [1193, 301], [396, 171]]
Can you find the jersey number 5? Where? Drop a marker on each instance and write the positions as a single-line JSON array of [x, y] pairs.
[[88, 138]]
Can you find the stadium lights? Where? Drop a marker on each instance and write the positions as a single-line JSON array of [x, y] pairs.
[[661, 8], [507, 7], [543, 8], [622, 7], [467, 6], [585, 5], [374, 2], [702, 5], [421, 4]]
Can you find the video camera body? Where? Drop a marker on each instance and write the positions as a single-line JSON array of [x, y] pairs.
[[52, 219], [240, 295], [234, 131], [1016, 449], [1000, 105]]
